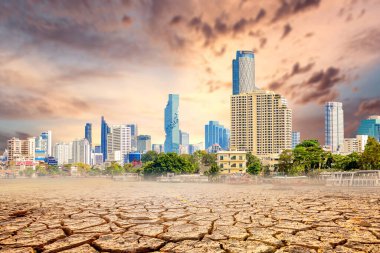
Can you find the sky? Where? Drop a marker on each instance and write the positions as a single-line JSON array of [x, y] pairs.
[[67, 62]]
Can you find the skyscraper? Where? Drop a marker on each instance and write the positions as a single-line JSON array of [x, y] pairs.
[[144, 143], [118, 142], [184, 138], [243, 72], [43, 144], [81, 152], [134, 134], [172, 124], [370, 127], [88, 133], [296, 139], [334, 126], [104, 131], [261, 123], [216, 133], [61, 153]]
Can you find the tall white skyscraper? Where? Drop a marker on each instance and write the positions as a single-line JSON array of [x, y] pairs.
[[61, 153], [119, 142], [81, 152], [334, 126]]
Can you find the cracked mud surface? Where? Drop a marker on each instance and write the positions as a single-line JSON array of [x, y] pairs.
[[99, 215]]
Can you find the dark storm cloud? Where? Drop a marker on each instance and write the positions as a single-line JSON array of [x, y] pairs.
[[286, 31], [291, 7], [260, 15], [176, 20], [297, 69], [369, 107]]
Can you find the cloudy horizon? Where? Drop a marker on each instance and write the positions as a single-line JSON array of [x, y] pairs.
[[65, 63]]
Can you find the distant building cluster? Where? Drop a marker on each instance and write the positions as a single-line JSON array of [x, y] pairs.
[[260, 123]]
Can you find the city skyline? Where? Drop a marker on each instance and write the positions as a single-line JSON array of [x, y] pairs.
[[53, 77]]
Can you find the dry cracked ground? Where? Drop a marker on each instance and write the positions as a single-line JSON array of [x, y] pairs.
[[99, 215]]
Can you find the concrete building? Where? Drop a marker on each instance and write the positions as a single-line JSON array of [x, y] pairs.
[[81, 151], [232, 161], [334, 126], [216, 133], [370, 127], [356, 144], [172, 140], [43, 144], [119, 142], [243, 72], [61, 153], [158, 148], [134, 135], [21, 150], [97, 158], [296, 139], [261, 123], [144, 143]]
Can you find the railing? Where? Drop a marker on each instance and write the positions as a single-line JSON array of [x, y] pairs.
[[354, 179]]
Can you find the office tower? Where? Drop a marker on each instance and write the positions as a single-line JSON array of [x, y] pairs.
[[334, 126], [216, 133], [243, 72], [134, 134], [43, 145], [88, 133], [104, 131], [81, 152], [21, 150], [158, 148], [144, 143], [296, 139], [261, 123], [61, 153], [184, 138], [118, 142], [356, 144], [370, 127], [172, 124]]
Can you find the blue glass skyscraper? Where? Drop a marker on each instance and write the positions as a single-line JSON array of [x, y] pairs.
[[172, 140], [217, 134], [243, 72], [370, 127], [88, 133], [104, 131]]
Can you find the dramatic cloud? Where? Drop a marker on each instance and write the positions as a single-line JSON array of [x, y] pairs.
[[294, 6], [369, 107]]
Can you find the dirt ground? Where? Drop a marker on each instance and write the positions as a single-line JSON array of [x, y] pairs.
[[101, 215]]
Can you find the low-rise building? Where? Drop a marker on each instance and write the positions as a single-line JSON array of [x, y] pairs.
[[356, 144], [232, 162]]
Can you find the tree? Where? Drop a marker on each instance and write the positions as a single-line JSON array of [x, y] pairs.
[[309, 155], [168, 163], [253, 164], [286, 161], [83, 168], [115, 169], [370, 158], [149, 156], [213, 171]]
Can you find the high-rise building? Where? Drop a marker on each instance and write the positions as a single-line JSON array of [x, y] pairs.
[[43, 146], [81, 152], [158, 148], [216, 133], [61, 153], [243, 72], [97, 149], [104, 131], [134, 134], [261, 123], [21, 150], [172, 124], [334, 126], [88, 133], [296, 139], [97, 158], [118, 142], [184, 142], [370, 127], [356, 144], [144, 143]]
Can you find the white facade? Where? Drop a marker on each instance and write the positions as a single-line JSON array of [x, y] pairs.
[[296, 139], [119, 142], [81, 152], [356, 144], [50, 143], [334, 126], [61, 153], [21, 150]]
